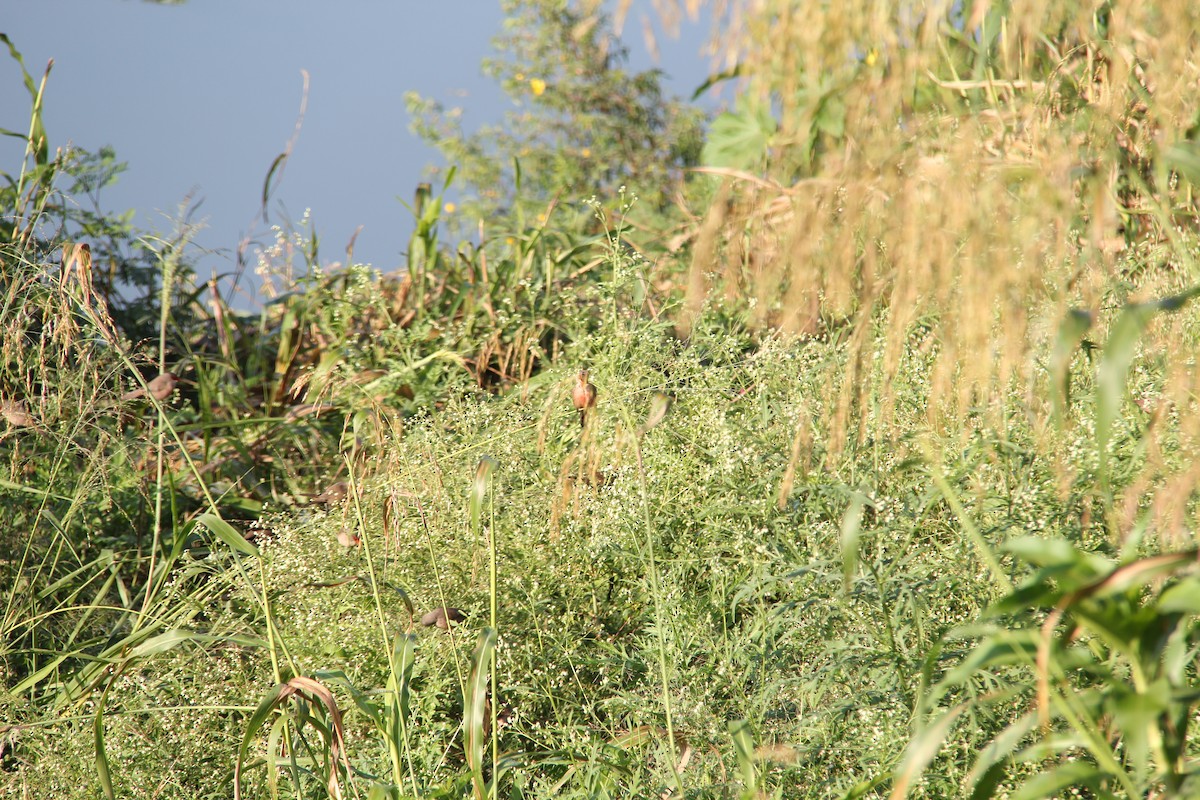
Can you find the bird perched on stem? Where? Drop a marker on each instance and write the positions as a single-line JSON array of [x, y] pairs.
[[160, 388], [584, 395]]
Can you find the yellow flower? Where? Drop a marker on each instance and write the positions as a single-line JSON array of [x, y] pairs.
[[520, 76], [586, 152], [449, 207], [538, 85], [872, 57]]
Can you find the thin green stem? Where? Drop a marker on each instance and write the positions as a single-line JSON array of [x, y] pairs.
[[660, 616]]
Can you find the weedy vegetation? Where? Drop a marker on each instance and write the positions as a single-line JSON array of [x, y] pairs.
[[887, 490]]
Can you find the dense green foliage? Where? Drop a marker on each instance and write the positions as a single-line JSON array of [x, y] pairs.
[[904, 509]]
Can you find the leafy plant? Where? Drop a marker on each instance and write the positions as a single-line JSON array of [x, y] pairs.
[[1105, 650], [586, 124]]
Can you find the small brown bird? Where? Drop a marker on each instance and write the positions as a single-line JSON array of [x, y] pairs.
[[584, 395], [348, 538], [444, 617], [160, 388], [334, 493], [15, 412]]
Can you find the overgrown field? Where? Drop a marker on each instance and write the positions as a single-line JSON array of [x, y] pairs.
[[887, 488]]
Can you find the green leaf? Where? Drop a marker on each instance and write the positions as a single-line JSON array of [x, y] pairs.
[[164, 642], [479, 488], [1041, 551], [990, 766], [1118, 354], [739, 140], [831, 116], [276, 166], [1111, 376], [743, 749], [1136, 715], [265, 707], [399, 684], [921, 750], [1070, 333], [717, 77], [37, 139], [1041, 590], [1139, 573], [1005, 649], [1183, 597], [1184, 158], [1077, 774], [227, 534], [476, 708], [851, 533], [102, 769]]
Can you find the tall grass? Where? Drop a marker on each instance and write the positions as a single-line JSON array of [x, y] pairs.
[[766, 564], [970, 170]]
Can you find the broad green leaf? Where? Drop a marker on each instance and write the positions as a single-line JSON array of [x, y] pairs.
[[739, 140], [1073, 774], [164, 642], [1111, 376], [1183, 597], [831, 116], [475, 713], [1136, 715], [399, 683], [1140, 572], [1039, 591], [1041, 551], [265, 707], [743, 749], [227, 534], [1005, 649]]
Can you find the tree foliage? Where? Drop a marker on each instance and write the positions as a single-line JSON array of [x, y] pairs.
[[584, 123]]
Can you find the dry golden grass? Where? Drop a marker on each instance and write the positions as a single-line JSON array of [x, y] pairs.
[[984, 194], [963, 200]]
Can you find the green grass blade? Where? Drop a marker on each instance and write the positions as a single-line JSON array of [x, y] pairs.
[[743, 749], [227, 534], [103, 772], [921, 750], [851, 532], [476, 708], [265, 707], [1070, 334]]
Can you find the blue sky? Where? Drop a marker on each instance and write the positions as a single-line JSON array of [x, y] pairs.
[[200, 98]]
